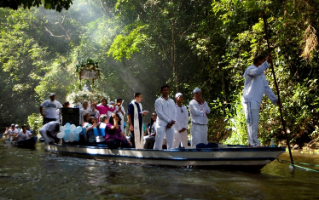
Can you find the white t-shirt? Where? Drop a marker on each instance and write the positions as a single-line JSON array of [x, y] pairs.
[[50, 108], [12, 132], [102, 125], [24, 136]]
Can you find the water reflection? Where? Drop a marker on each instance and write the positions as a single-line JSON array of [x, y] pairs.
[[36, 174]]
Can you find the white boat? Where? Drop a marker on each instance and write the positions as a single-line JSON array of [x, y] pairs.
[[223, 155]]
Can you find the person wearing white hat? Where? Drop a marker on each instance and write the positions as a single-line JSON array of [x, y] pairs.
[[12, 132], [166, 116], [198, 109], [50, 109], [181, 123]]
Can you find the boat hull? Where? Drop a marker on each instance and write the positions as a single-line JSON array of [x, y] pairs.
[[222, 156], [29, 143]]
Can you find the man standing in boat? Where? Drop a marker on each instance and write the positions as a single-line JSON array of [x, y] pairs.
[[135, 115], [181, 122], [198, 109], [255, 87], [166, 116], [50, 109]]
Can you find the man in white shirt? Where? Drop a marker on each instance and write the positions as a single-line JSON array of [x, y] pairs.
[[50, 106], [49, 132], [255, 87], [166, 115], [181, 123], [198, 109], [12, 132], [24, 134], [119, 109]]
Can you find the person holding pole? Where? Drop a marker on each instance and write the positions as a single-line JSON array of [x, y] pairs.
[[254, 88]]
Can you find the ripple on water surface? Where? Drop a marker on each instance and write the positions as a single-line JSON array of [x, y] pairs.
[[37, 174]]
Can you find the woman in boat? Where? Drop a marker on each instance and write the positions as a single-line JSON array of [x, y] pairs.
[[114, 136], [24, 134], [92, 123], [103, 108], [85, 120], [94, 112]]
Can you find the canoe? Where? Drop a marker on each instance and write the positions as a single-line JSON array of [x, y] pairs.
[[221, 156], [29, 143]]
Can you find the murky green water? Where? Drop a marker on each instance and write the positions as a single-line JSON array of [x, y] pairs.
[[36, 174]]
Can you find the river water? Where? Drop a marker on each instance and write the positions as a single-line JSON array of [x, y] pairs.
[[37, 174]]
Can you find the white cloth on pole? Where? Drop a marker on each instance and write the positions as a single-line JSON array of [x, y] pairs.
[[198, 134]]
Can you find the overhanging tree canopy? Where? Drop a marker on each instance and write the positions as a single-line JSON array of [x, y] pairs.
[[57, 5]]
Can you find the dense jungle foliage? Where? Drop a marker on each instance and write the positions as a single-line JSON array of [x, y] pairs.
[[143, 44]]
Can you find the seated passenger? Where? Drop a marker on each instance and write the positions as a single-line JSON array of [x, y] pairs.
[[12, 132], [85, 120], [66, 104], [103, 121], [94, 112], [92, 123], [49, 132], [29, 129], [84, 110], [149, 139], [114, 136], [24, 134]]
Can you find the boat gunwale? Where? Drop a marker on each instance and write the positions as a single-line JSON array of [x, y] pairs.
[[233, 148]]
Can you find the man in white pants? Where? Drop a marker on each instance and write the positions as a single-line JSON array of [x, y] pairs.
[[255, 87], [166, 115], [181, 123], [198, 109], [49, 132]]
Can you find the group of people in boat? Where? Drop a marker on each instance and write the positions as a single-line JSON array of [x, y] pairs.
[[168, 127], [14, 133], [169, 124]]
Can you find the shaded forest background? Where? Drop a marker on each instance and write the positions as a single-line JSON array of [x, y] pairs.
[[143, 44]]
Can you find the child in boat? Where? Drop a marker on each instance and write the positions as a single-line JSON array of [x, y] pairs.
[[92, 123], [24, 134], [114, 136], [85, 120], [94, 112], [149, 139], [103, 108]]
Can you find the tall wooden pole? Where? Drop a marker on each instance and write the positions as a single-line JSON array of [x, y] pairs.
[[275, 80]]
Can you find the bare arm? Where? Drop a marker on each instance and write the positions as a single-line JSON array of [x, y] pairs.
[[41, 111]]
